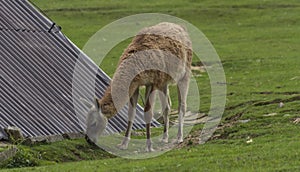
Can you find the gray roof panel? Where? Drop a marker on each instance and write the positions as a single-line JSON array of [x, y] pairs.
[[37, 77]]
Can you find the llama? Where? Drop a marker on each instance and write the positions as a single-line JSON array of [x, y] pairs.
[[158, 56]]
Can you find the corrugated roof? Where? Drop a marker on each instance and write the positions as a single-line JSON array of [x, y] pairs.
[[37, 76], [21, 15]]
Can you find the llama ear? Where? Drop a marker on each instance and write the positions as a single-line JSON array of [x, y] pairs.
[[87, 103], [96, 104]]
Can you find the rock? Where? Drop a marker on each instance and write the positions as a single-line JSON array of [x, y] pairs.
[[281, 104], [14, 134], [43, 139], [244, 120], [73, 136], [35, 140], [296, 121], [54, 138], [270, 114], [249, 141]]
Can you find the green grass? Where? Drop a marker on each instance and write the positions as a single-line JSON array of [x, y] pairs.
[[58, 152], [259, 45], [251, 37], [267, 153]]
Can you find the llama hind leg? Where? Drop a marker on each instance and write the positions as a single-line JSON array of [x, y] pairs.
[[148, 113], [166, 105], [182, 88], [131, 115]]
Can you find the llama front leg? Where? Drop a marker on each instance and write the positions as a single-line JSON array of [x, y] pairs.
[[131, 115], [148, 110], [166, 105], [182, 88]]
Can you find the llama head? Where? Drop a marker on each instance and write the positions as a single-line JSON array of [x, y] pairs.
[[96, 122]]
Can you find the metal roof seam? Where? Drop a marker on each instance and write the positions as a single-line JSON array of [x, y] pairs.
[[25, 30]]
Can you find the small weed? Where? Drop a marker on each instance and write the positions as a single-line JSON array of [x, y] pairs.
[[23, 158]]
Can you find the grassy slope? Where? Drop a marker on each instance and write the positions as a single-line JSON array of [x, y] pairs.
[[258, 43]]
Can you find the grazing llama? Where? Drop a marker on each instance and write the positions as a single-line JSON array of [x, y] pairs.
[[158, 56]]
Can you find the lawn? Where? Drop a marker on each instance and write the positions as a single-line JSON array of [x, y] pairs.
[[259, 46]]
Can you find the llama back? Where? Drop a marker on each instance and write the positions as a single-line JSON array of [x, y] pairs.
[[168, 37], [169, 30]]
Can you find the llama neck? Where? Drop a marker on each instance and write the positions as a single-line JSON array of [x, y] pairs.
[[106, 104], [117, 94]]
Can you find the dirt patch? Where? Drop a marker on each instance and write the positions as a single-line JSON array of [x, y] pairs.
[[265, 6], [241, 104], [193, 138], [277, 93], [78, 9], [234, 117], [189, 119], [276, 101]]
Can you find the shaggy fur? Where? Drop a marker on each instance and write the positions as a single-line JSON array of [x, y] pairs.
[[165, 36], [157, 56]]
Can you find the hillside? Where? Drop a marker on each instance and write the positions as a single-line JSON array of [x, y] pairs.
[[259, 45]]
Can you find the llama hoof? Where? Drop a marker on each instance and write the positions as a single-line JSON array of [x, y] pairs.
[[164, 140], [149, 149], [149, 146], [122, 146], [179, 140]]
